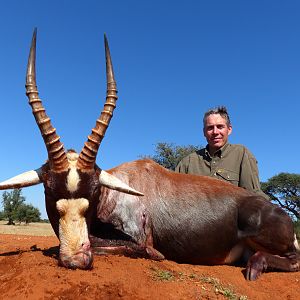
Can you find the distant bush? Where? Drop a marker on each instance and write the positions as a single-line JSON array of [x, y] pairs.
[[15, 209], [44, 221], [27, 213], [169, 155]]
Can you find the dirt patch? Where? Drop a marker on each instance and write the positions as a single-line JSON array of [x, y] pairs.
[[29, 270]]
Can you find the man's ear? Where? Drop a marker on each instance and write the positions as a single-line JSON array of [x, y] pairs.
[[204, 133], [229, 129]]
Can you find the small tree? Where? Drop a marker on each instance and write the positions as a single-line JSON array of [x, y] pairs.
[[28, 213], [169, 155], [284, 189], [11, 202], [14, 208]]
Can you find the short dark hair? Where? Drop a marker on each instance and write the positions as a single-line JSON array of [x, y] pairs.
[[220, 110]]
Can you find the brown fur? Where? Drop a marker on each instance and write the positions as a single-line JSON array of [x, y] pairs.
[[185, 218], [198, 219]]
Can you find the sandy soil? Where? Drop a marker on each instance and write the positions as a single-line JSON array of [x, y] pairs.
[[29, 270]]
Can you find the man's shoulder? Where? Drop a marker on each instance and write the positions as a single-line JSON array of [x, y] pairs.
[[237, 147], [190, 155], [243, 149], [201, 152], [195, 154]]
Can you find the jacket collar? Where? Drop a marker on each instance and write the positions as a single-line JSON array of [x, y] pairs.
[[218, 153]]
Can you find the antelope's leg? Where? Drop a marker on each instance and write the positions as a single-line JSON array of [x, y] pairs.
[[261, 261], [121, 247]]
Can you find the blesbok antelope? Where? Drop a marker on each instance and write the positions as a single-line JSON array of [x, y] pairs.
[[142, 209]]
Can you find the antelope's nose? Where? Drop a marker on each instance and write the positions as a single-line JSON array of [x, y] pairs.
[[86, 246], [83, 260]]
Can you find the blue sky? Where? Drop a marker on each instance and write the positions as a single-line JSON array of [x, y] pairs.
[[173, 60]]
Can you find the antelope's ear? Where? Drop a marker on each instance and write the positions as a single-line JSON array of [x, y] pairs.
[[115, 183], [29, 178]]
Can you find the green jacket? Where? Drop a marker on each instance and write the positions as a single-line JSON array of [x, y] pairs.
[[232, 163]]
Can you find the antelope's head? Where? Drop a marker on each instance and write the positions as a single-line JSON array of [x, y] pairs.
[[72, 181]]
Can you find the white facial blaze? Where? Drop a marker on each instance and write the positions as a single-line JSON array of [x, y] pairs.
[[73, 176], [73, 232], [73, 180]]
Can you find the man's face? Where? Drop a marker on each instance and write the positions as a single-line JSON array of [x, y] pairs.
[[216, 132]]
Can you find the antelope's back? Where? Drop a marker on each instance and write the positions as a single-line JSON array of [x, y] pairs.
[[195, 216]]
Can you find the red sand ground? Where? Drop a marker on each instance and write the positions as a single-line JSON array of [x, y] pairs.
[[29, 270]]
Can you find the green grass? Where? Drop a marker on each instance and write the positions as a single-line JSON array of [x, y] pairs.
[[163, 275], [219, 288], [216, 285]]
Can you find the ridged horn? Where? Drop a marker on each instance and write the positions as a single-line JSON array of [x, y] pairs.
[[87, 156], [56, 154]]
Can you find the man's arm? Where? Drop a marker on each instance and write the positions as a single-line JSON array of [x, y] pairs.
[[181, 168], [249, 176]]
